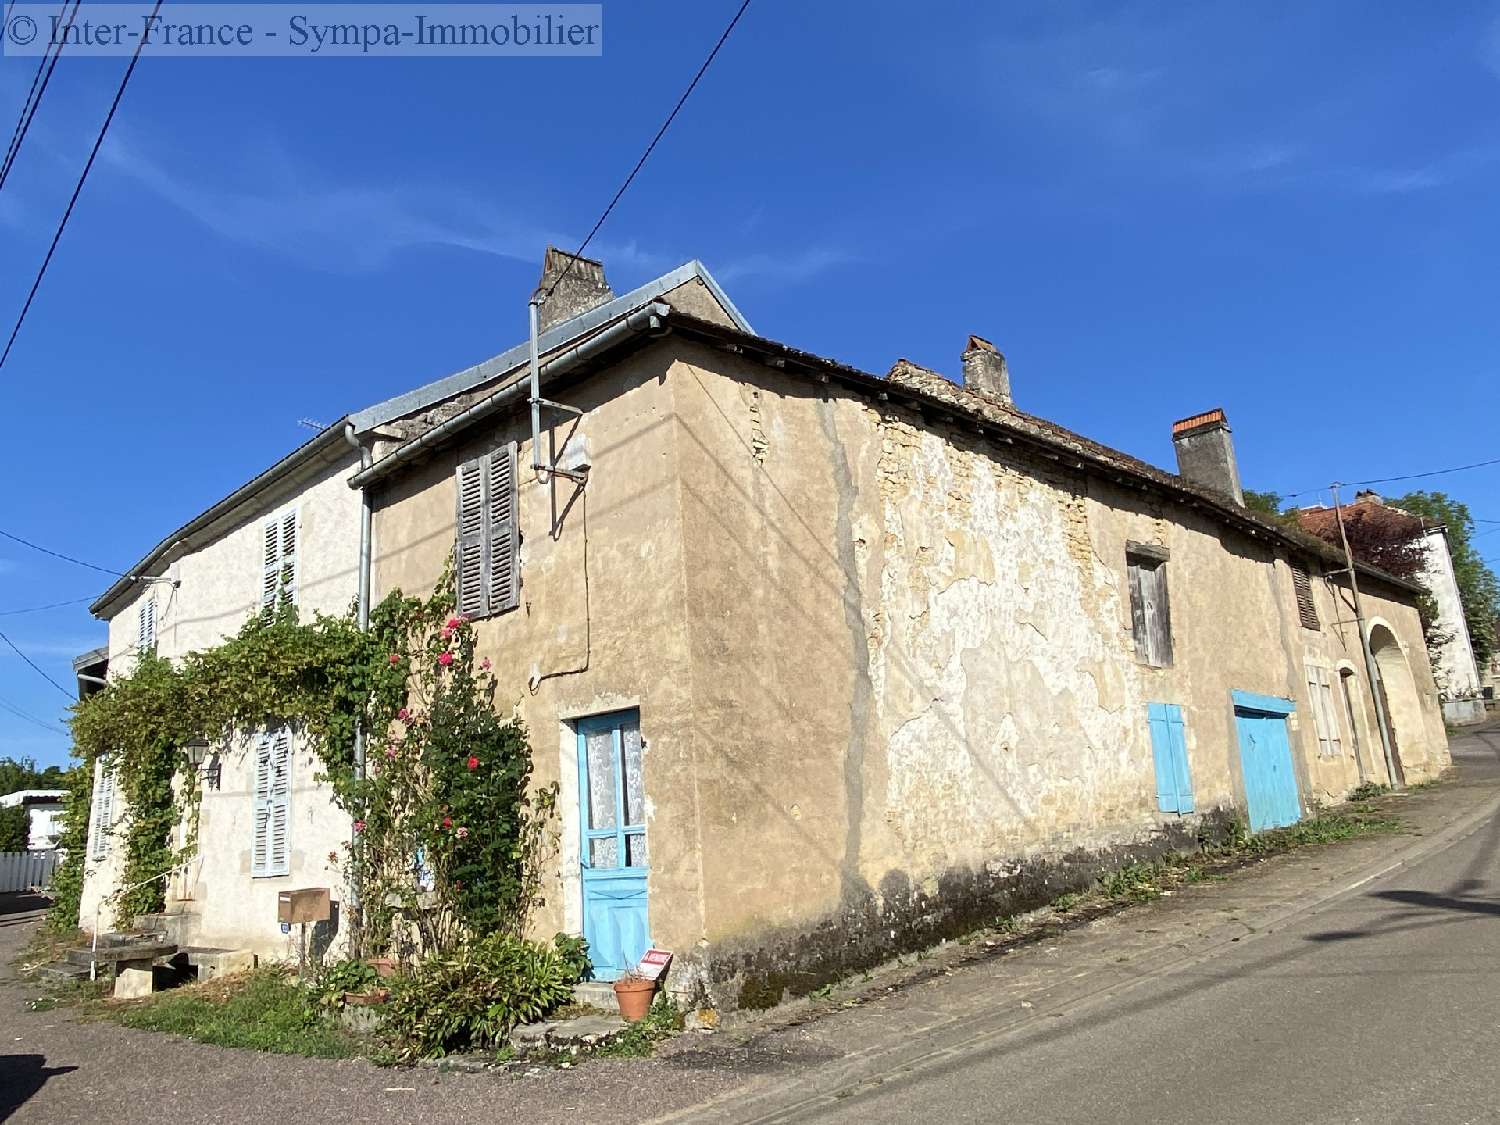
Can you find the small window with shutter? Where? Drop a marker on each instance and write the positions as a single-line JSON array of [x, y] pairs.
[[278, 585], [486, 570], [1325, 715], [146, 625], [1150, 615], [271, 848], [1307, 611], [103, 811]]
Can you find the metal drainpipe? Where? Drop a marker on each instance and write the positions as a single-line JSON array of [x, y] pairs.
[[532, 317], [1371, 669], [363, 611]]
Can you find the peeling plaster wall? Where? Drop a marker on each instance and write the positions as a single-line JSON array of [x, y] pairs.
[[220, 589]]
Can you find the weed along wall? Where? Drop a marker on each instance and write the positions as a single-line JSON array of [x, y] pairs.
[[885, 668]]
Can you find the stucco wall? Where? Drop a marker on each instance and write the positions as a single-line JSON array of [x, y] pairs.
[[220, 586]]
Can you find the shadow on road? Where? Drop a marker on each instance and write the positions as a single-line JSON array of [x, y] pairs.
[[21, 1076], [22, 902]]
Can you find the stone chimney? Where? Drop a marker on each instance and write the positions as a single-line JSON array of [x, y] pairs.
[[985, 371], [1205, 453], [582, 287]]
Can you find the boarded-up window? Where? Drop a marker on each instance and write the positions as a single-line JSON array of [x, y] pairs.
[[145, 622], [103, 811], [1150, 615], [1325, 715], [278, 585], [271, 847], [487, 573], [1307, 612]]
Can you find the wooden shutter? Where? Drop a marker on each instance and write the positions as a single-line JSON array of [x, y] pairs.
[[1150, 614], [145, 622], [469, 560], [286, 571], [1307, 610], [1174, 785], [503, 584], [104, 809], [279, 827], [260, 848], [1325, 716], [270, 565]]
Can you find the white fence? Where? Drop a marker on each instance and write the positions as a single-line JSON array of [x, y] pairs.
[[20, 871]]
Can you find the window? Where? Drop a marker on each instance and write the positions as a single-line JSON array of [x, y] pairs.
[[1325, 717], [103, 811], [279, 562], [1150, 618], [1174, 785], [273, 804], [484, 563], [1307, 612], [145, 615]]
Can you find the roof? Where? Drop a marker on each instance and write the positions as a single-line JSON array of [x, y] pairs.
[[91, 659], [1396, 523], [32, 797], [943, 399], [330, 444], [563, 334]]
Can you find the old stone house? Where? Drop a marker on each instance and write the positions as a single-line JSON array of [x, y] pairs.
[[830, 664]]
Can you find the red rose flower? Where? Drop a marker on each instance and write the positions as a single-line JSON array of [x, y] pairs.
[[447, 822], [473, 762], [445, 659]]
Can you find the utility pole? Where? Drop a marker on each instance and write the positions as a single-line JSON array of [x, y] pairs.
[[1371, 669]]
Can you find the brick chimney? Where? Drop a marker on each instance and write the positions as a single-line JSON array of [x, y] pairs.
[[1205, 453], [583, 288], [985, 371]]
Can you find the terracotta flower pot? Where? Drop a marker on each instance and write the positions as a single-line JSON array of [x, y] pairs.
[[367, 999], [383, 966], [634, 998]]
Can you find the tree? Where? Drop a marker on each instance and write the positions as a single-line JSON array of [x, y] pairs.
[[1266, 502], [1478, 589], [15, 828], [21, 773]]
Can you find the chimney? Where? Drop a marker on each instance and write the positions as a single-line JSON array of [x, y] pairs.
[[1205, 453], [985, 371], [582, 287]]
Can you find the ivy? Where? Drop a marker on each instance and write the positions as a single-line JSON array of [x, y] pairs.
[[67, 880], [450, 832]]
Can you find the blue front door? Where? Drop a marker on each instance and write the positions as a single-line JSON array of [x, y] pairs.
[[1266, 761], [614, 860]]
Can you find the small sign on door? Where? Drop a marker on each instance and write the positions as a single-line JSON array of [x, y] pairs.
[[654, 963]]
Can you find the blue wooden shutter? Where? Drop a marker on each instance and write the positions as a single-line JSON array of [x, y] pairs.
[[1183, 781], [1174, 785]]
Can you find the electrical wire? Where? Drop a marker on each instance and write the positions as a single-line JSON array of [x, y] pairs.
[[34, 666], [43, 608], [39, 82], [59, 555], [18, 713], [639, 164], [1391, 480], [78, 189]]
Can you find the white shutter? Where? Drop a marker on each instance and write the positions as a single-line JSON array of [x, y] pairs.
[[503, 579], [469, 553], [145, 622], [260, 846], [271, 566], [287, 571], [279, 822], [104, 810]]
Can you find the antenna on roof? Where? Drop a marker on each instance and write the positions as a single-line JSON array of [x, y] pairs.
[[311, 424]]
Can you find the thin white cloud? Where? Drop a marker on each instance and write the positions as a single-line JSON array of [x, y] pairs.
[[69, 647], [791, 269]]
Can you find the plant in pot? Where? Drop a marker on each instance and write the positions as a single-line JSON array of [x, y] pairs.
[[633, 992]]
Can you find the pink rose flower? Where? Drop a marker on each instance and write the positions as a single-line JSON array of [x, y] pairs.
[[445, 659], [462, 832], [359, 826], [485, 664], [403, 714], [390, 751], [473, 762]]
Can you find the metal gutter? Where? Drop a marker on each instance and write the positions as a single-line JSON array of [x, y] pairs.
[[312, 453], [643, 322], [551, 340]]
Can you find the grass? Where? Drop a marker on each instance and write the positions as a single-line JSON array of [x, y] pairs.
[[639, 1040], [264, 1010]]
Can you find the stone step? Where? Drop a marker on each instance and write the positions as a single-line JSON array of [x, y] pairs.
[[63, 972], [596, 994], [211, 962], [143, 948], [170, 925]]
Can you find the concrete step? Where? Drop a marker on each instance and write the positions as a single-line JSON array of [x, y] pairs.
[[596, 994], [63, 972], [170, 925], [139, 947], [211, 962]]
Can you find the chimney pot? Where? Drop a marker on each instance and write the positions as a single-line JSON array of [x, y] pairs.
[[985, 371], [581, 288], [1205, 453]]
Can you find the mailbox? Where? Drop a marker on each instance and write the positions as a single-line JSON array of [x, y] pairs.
[[312, 904]]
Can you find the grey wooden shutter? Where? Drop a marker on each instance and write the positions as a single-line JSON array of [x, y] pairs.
[[1307, 610], [1159, 615], [271, 566], [503, 587], [1150, 613], [286, 572], [468, 551]]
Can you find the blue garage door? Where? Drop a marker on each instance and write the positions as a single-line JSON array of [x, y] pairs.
[[1266, 760]]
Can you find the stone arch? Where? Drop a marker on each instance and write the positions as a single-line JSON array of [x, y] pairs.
[[1403, 704]]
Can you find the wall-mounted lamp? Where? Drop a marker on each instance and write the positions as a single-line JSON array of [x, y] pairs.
[[197, 752]]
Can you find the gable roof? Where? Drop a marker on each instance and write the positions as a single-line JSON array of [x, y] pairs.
[[563, 334], [927, 390]]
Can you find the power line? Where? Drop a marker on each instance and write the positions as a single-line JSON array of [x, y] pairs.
[[1408, 476], [39, 82], [78, 189], [639, 164], [42, 608], [34, 666], [18, 713], [60, 555]]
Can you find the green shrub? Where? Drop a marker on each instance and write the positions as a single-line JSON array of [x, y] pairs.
[[15, 828], [327, 991], [574, 952], [469, 1000]]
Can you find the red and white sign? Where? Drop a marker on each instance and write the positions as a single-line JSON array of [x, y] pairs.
[[654, 963]]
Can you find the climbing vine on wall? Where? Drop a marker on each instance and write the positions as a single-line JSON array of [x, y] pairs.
[[448, 831]]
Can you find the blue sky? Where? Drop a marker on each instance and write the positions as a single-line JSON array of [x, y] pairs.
[[1284, 209]]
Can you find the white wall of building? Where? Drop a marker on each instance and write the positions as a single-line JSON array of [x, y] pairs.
[[1456, 670]]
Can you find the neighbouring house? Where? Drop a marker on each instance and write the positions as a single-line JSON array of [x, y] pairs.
[[44, 809], [827, 664], [1370, 519], [266, 823]]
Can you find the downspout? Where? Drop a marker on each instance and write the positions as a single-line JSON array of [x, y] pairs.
[[534, 367], [1371, 669], [366, 520]]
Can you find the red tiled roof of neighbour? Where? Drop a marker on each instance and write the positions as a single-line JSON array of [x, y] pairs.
[[1392, 523]]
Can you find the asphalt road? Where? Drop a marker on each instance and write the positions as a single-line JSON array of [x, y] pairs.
[[1381, 1005]]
